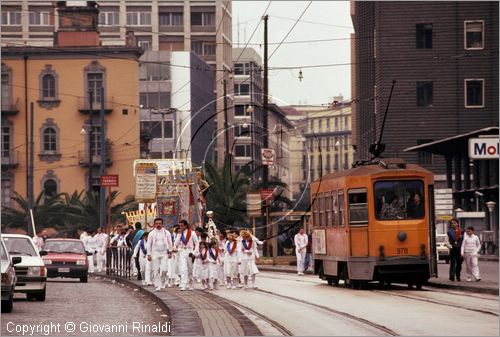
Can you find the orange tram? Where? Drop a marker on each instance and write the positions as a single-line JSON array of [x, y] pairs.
[[375, 222]]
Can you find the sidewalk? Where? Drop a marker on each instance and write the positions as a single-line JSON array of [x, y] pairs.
[[196, 313], [488, 266]]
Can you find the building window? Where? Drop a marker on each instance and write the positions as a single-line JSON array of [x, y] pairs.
[[6, 90], [50, 188], [203, 19], [327, 167], [346, 161], [48, 86], [6, 191], [336, 123], [243, 150], [424, 157], [241, 110], [424, 93], [242, 131], [336, 162], [11, 18], [171, 19], [39, 19], [109, 18], [49, 140], [474, 34], [474, 93], [145, 44], [153, 129], [241, 89], [156, 100], [6, 142], [209, 49], [320, 125], [311, 167], [346, 123], [48, 80], [424, 35], [94, 84], [154, 71], [139, 18], [197, 47]]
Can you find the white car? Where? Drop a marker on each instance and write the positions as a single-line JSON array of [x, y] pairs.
[[31, 272], [443, 247]]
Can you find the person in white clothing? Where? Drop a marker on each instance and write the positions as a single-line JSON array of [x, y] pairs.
[[92, 247], [214, 260], [470, 252], [202, 270], [301, 241], [173, 269], [221, 249], [102, 243], [186, 243], [159, 250], [38, 240], [248, 253], [231, 261], [141, 251]]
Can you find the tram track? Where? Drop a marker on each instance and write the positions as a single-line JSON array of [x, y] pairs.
[[361, 320]]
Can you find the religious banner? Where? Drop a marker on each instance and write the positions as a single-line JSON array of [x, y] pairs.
[[168, 210]]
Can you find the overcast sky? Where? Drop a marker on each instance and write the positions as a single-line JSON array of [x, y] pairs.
[[322, 20]]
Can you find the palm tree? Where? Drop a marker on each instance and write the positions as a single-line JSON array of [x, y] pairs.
[[226, 195], [48, 211]]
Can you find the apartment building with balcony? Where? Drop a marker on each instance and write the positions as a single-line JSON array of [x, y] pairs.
[[62, 83], [200, 26]]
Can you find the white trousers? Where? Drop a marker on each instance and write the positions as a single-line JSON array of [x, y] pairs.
[[185, 268], [90, 259], [300, 261], [160, 267], [101, 261], [471, 265], [145, 270]]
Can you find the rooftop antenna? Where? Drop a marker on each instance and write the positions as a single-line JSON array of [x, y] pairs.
[[378, 148]]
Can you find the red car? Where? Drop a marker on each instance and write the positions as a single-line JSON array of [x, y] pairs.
[[66, 258]]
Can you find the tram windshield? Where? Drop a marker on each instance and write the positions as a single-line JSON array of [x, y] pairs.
[[399, 199]]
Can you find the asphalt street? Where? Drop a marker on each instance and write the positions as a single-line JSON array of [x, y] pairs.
[[94, 308]]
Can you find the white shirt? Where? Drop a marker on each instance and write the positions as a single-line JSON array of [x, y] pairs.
[[102, 240], [301, 242], [159, 242], [192, 244], [247, 254], [92, 244], [471, 244]]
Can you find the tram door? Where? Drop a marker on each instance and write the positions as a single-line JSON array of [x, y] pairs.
[[358, 221], [432, 234]]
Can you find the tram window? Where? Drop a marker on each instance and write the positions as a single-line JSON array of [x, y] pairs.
[[399, 200], [316, 210], [341, 209], [358, 207], [335, 209], [328, 210], [321, 210]]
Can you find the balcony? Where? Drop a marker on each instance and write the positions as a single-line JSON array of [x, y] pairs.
[[9, 109], [10, 160], [84, 106], [84, 158]]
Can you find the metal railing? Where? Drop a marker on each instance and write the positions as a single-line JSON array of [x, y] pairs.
[[118, 261]]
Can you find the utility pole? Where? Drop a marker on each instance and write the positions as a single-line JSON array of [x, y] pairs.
[[226, 128], [91, 100], [30, 167], [102, 194], [265, 103]]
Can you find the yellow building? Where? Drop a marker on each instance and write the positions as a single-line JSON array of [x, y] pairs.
[[57, 81], [328, 146]]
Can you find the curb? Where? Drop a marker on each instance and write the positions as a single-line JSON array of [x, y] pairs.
[[288, 271]]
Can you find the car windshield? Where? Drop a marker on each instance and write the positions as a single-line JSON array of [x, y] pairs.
[[64, 247], [3, 254], [399, 200], [20, 246]]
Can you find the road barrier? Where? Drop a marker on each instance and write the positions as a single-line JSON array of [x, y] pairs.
[[118, 261]]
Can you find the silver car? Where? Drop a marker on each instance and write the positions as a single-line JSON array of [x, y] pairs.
[[31, 272], [9, 278]]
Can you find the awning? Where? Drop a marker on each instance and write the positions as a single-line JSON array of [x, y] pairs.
[[453, 145]]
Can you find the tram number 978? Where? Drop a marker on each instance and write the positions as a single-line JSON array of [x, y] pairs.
[[402, 251]]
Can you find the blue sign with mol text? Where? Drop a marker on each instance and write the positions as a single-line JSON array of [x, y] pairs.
[[484, 148]]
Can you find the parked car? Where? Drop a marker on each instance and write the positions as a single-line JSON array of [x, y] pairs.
[[31, 273], [8, 277], [443, 247], [66, 258]]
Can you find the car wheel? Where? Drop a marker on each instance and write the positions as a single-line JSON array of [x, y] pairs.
[[40, 296], [84, 279], [8, 305]]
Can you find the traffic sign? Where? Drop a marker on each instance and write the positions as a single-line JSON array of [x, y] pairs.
[[110, 180], [266, 193], [267, 156]]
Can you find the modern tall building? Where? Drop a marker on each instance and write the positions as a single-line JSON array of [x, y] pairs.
[[201, 26], [61, 86], [443, 57], [248, 110]]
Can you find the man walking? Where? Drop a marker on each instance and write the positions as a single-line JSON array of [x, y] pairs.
[[301, 241], [186, 243], [455, 238], [470, 251], [159, 246]]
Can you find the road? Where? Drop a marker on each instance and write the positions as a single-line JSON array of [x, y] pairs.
[[96, 308], [308, 306]]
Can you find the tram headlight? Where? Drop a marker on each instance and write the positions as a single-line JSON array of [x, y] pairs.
[[381, 251], [422, 250]]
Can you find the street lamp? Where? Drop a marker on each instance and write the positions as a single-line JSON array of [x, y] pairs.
[[491, 208], [163, 112]]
